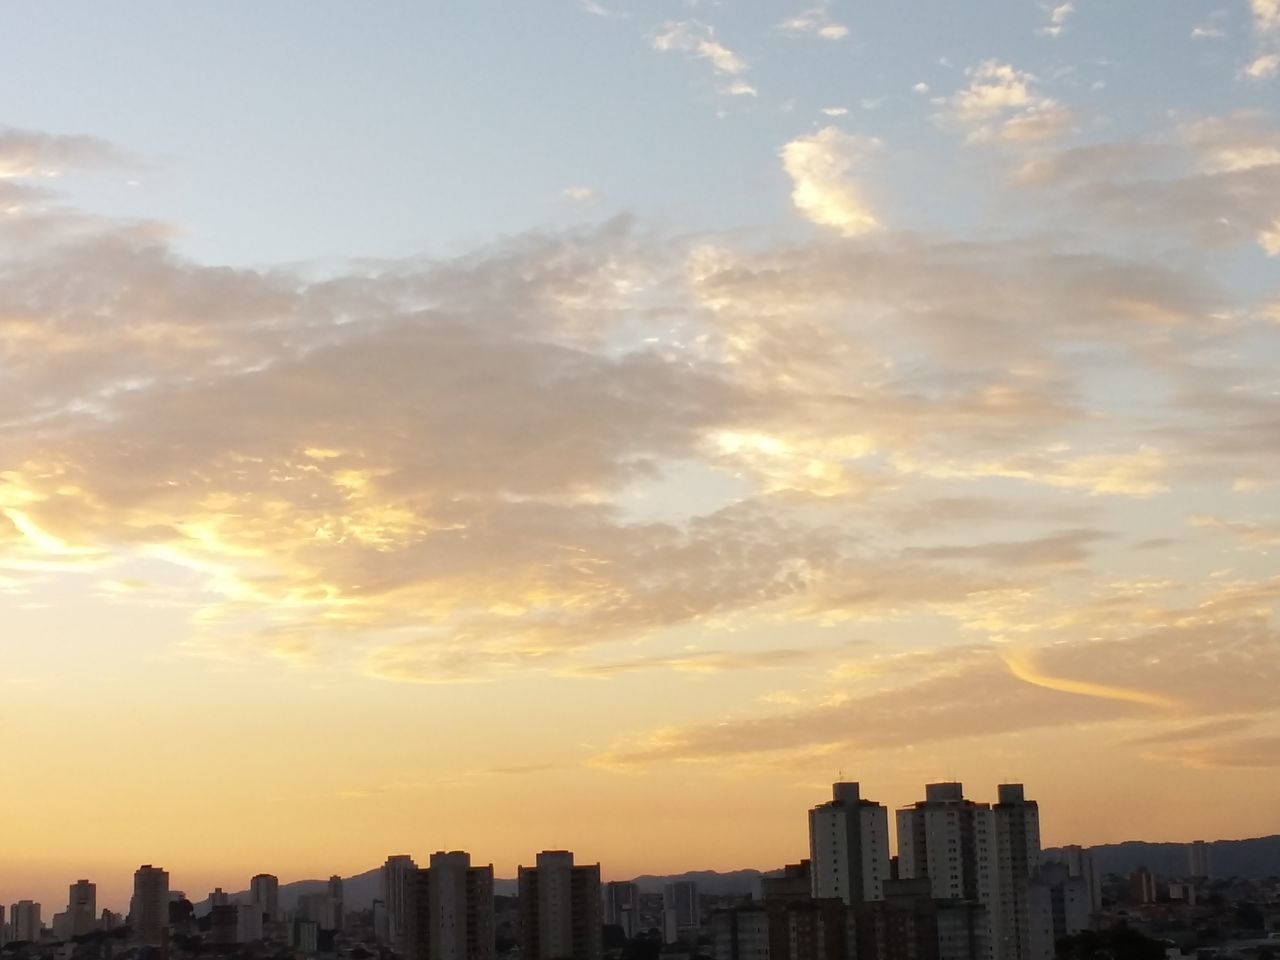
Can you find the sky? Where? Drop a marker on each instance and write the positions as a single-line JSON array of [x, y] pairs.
[[602, 424]]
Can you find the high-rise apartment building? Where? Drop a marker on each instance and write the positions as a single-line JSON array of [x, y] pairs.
[[1017, 822], [1059, 907], [1082, 864], [264, 893], [622, 906], [396, 876], [248, 923], [24, 922], [1199, 860], [449, 910], [560, 909], [848, 847], [681, 915], [82, 906], [339, 902], [149, 909], [951, 842]]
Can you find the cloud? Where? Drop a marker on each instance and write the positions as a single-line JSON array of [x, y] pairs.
[[1003, 103], [1263, 67], [814, 21], [698, 40], [966, 692], [1266, 15], [1058, 17], [821, 168], [579, 194], [30, 153]]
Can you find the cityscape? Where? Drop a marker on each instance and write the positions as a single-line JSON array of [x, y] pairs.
[[640, 479], [969, 881]]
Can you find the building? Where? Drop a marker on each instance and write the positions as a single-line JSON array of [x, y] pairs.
[[741, 933], [149, 908], [1017, 823], [951, 842], [4, 928], [396, 873], [796, 883], [561, 915], [848, 847], [318, 908], [681, 915], [622, 906], [82, 905], [224, 924], [264, 893], [1082, 864], [449, 910], [219, 898], [1199, 860], [248, 923], [1059, 907], [910, 923], [1142, 887], [340, 906]]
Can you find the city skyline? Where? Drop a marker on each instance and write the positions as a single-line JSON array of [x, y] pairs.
[[118, 891], [594, 424]]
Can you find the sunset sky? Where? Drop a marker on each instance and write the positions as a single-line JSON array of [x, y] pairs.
[[600, 424]]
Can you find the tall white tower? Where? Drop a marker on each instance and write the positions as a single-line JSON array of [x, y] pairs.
[[849, 846]]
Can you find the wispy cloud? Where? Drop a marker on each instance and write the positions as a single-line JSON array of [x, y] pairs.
[[699, 40], [814, 21]]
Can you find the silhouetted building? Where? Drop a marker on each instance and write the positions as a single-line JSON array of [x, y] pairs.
[[796, 883], [561, 915], [1199, 860], [340, 907], [149, 909], [1081, 863], [848, 846], [249, 927], [82, 906], [1142, 887], [681, 916], [224, 924], [622, 906], [911, 924], [24, 921], [264, 893], [740, 933], [395, 891], [449, 910], [1059, 907]]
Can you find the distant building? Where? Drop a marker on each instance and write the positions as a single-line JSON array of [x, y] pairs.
[[304, 936], [622, 906], [1199, 860], [264, 893], [1142, 887], [1082, 863], [395, 891], [796, 883], [741, 933], [848, 846], [24, 921], [248, 923], [149, 908], [449, 910], [1059, 907], [560, 909], [318, 908], [681, 916], [224, 924], [82, 905], [340, 907], [912, 924]]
